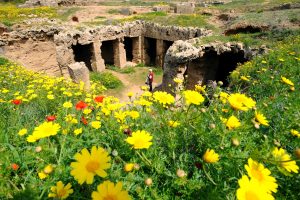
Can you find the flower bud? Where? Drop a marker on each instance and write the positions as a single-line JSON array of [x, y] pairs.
[[38, 149], [203, 110], [180, 173], [220, 83], [235, 142], [128, 167], [114, 153], [212, 126], [136, 166], [148, 181]]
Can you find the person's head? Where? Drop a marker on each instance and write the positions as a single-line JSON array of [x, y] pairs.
[[150, 70]]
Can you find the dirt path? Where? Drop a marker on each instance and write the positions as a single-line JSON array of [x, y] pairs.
[[132, 83]]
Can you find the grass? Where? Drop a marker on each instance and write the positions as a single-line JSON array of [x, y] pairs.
[[126, 70], [194, 20], [107, 79], [66, 13], [10, 14], [269, 38]]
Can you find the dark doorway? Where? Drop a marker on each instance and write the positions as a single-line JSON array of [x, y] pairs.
[[166, 45], [212, 66], [150, 47], [84, 53], [128, 48], [107, 52], [228, 62]]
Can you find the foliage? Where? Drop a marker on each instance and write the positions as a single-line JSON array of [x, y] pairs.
[[10, 14], [126, 70], [107, 79]]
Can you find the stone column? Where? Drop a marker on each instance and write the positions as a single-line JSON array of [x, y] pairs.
[[137, 49], [159, 61], [98, 62], [64, 57], [79, 72], [145, 56], [119, 53]]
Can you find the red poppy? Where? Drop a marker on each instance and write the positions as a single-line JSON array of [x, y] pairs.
[[16, 101], [51, 118], [81, 105], [15, 166], [99, 99], [84, 121]]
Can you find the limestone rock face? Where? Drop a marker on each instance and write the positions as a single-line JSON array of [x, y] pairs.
[[79, 72], [203, 62]]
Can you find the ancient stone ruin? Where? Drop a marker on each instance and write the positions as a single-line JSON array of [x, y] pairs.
[[199, 63], [131, 43], [178, 50]]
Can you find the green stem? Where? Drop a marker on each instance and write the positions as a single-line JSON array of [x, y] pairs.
[[208, 176]]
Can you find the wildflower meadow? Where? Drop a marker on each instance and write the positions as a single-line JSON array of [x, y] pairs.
[[58, 141]]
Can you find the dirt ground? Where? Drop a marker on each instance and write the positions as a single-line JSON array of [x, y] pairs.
[[132, 83], [39, 56], [91, 13]]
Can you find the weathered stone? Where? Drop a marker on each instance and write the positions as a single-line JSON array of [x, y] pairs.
[[161, 8], [79, 72], [126, 11], [185, 8]]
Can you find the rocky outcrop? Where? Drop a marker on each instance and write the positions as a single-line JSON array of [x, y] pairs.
[[79, 72], [203, 61]]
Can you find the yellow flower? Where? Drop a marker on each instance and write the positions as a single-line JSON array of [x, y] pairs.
[[261, 119], [178, 80], [241, 102], [42, 175], [50, 96], [96, 124], [143, 102], [173, 124], [140, 140], [78, 131], [210, 156], [130, 94], [251, 190], [67, 104], [244, 78], [108, 190], [295, 133], [163, 98], [90, 164], [23, 131], [46, 129], [134, 114], [128, 167], [232, 122], [287, 81], [87, 111], [60, 191], [200, 88], [48, 169], [223, 97], [193, 97], [284, 160], [262, 175]]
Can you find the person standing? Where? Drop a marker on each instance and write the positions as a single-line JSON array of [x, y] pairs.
[[150, 79]]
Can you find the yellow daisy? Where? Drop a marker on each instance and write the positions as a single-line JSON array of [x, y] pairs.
[[90, 164], [108, 190], [261, 119], [232, 122], [295, 133], [210, 156], [60, 191], [140, 140], [193, 97], [163, 98], [251, 190], [262, 175], [241, 102], [287, 81], [284, 160]]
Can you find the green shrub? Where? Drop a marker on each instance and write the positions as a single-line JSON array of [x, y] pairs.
[[107, 79]]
